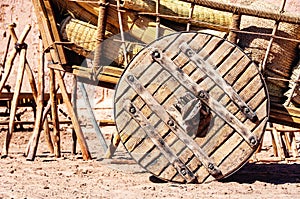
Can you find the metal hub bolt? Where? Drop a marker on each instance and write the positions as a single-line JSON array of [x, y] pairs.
[[211, 166], [183, 171], [156, 54], [189, 53], [171, 123], [253, 140], [132, 110], [130, 78]]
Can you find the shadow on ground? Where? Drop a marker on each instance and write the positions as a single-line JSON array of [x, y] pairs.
[[274, 173]]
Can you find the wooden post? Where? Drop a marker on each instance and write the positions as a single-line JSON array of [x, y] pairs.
[[74, 103], [34, 89], [275, 28], [33, 143], [101, 26], [92, 116], [293, 144], [115, 141], [278, 143], [81, 140], [235, 25], [55, 123], [12, 57], [191, 12], [274, 144], [22, 48], [6, 50]]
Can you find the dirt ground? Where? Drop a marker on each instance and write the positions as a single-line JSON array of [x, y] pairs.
[[71, 177], [120, 177]]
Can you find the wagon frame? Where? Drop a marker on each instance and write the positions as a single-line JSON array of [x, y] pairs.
[[108, 76]]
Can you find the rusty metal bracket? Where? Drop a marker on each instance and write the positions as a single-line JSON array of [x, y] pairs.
[[208, 69], [213, 104], [20, 46], [137, 115], [160, 111]]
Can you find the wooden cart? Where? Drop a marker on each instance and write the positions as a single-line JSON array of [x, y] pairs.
[[190, 106]]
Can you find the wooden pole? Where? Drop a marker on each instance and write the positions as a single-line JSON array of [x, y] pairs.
[[6, 50], [235, 25], [102, 16], [122, 33], [248, 10], [293, 144], [275, 28], [92, 116], [81, 140], [12, 57], [34, 89], [74, 103], [33, 143], [115, 141], [23, 49], [191, 12], [56, 134], [278, 143]]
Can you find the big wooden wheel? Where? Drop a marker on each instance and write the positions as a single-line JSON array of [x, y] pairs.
[[191, 107]]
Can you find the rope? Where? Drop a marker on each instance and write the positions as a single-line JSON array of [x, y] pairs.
[[243, 10]]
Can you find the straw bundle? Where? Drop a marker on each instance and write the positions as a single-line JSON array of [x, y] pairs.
[[84, 35], [280, 60], [180, 9], [80, 33], [282, 55], [89, 12]]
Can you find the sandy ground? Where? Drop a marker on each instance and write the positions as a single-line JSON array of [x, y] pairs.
[[120, 177], [71, 177]]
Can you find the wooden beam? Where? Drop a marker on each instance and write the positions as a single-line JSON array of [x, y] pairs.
[[81, 140], [246, 10], [14, 103], [281, 114]]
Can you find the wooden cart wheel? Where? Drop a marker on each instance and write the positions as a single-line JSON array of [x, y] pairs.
[[191, 107]]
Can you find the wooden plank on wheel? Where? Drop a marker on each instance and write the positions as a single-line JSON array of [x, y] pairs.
[[159, 110], [159, 142]]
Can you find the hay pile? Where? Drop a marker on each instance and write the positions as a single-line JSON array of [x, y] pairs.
[[141, 29], [283, 54]]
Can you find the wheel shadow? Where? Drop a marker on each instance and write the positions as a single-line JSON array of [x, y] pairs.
[[274, 173]]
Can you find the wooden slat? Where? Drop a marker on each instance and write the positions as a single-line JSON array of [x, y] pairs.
[[27, 96], [169, 154], [208, 69], [52, 29], [155, 107], [285, 115]]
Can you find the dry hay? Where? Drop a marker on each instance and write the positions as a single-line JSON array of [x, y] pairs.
[[283, 53], [280, 61]]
